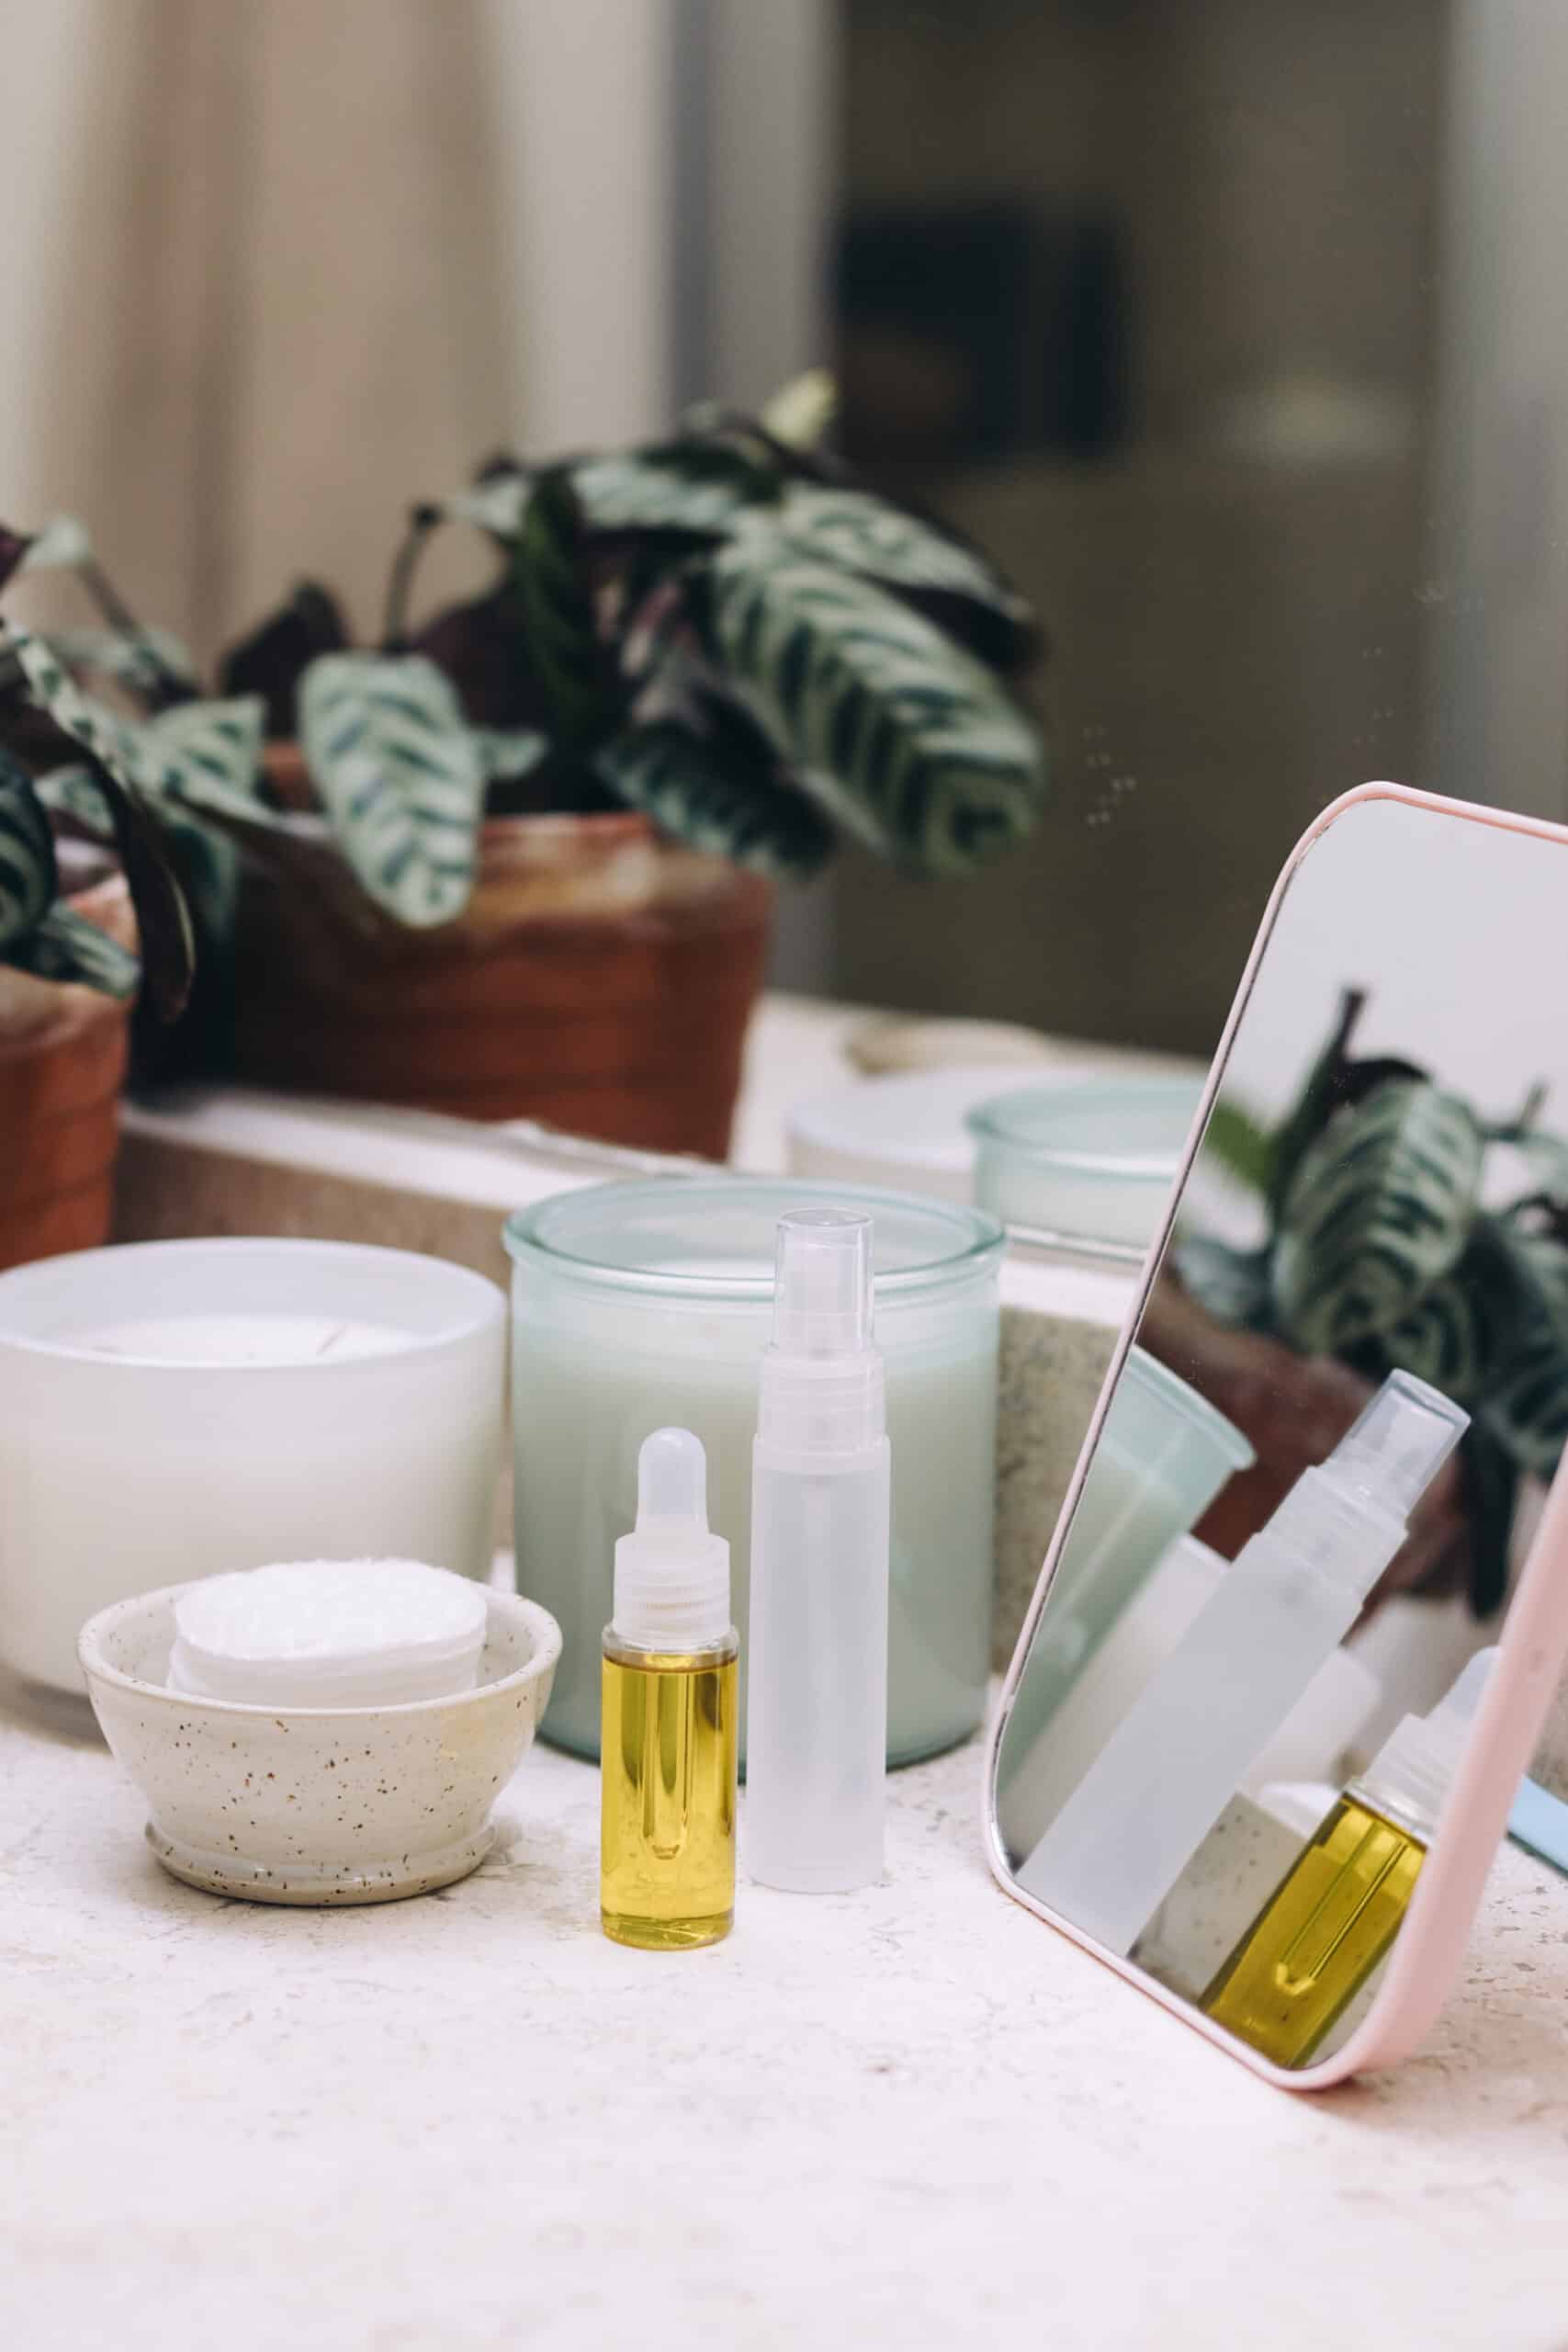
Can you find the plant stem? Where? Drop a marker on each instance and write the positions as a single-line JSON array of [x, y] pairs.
[[423, 520]]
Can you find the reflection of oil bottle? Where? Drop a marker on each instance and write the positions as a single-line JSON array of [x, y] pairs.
[[1177, 1756], [1333, 1917]]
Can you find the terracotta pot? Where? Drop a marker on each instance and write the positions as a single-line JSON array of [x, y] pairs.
[[601, 979], [62, 1059]]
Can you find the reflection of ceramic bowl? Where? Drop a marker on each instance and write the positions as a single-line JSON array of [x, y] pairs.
[[1095, 1161], [317, 1806]]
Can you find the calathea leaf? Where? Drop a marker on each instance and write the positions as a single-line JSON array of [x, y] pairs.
[[205, 756], [399, 777], [66, 946], [13, 546], [717, 791], [495, 503], [937, 572], [691, 488], [556, 591], [62, 545], [900, 734], [27, 876], [163, 918], [1526, 1406], [1231, 1284], [508, 753], [1459, 1331], [107, 654], [1380, 1206], [273, 658]]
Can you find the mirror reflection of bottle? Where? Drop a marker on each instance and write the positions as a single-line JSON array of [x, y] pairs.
[[667, 1809], [1176, 1758], [1335, 1913]]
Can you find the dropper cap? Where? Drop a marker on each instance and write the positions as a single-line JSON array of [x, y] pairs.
[[672, 1573], [1414, 1769], [822, 1388]]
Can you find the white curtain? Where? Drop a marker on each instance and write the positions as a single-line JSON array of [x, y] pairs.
[[264, 287]]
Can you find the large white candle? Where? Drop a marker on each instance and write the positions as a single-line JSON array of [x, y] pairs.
[[181, 1409]]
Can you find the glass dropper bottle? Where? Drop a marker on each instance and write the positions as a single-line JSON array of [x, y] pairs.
[[1333, 1917], [667, 1808]]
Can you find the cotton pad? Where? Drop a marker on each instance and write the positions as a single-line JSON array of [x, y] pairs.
[[329, 1634]]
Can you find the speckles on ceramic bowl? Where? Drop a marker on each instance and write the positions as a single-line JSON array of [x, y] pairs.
[[317, 1806]]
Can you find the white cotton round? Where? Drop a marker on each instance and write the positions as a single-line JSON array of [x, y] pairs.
[[329, 1634]]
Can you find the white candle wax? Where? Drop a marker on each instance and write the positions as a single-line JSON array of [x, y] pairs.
[[179, 1410]]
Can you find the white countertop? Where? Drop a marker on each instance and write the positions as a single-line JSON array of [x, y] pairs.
[[913, 2117]]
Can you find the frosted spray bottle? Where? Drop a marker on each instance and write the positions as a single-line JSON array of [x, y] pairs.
[[1335, 1912], [1175, 1760], [817, 1705], [667, 1803]]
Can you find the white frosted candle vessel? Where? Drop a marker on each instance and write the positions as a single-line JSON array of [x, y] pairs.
[[174, 1409], [639, 1305]]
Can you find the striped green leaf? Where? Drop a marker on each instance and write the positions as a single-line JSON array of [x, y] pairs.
[[27, 876], [858, 532], [62, 545], [400, 779], [123, 660], [554, 588], [66, 946], [1463, 1326], [508, 753], [688, 487], [718, 792], [1379, 1208], [901, 735], [205, 756], [168, 945], [1526, 1406]]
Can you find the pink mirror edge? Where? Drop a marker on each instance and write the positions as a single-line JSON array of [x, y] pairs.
[[1429, 1952]]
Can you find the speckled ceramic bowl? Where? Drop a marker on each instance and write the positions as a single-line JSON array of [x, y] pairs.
[[317, 1806]]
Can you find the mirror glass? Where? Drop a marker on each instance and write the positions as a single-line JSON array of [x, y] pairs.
[[1271, 1613]]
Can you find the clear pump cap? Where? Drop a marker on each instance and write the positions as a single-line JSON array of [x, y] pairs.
[[672, 1573], [1414, 1769], [1401, 1441], [822, 1293]]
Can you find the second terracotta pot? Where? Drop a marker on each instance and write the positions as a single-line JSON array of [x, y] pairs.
[[600, 979], [62, 1059]]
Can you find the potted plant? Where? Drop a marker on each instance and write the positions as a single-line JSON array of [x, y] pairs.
[[517, 859]]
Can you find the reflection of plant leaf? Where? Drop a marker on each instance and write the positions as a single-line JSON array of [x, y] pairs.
[[400, 776], [28, 878], [1239, 1144], [1315, 1102], [1459, 1331], [1231, 1285], [904, 737], [1380, 1208], [718, 792], [1491, 1478], [1526, 1407]]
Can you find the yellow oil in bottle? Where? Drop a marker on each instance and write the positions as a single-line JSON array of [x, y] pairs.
[[667, 1822], [1319, 1936]]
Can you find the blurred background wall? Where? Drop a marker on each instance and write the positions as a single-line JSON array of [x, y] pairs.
[[1235, 330]]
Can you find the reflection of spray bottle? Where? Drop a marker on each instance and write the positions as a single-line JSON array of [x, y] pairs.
[[1335, 1913], [817, 1705], [1173, 1763]]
